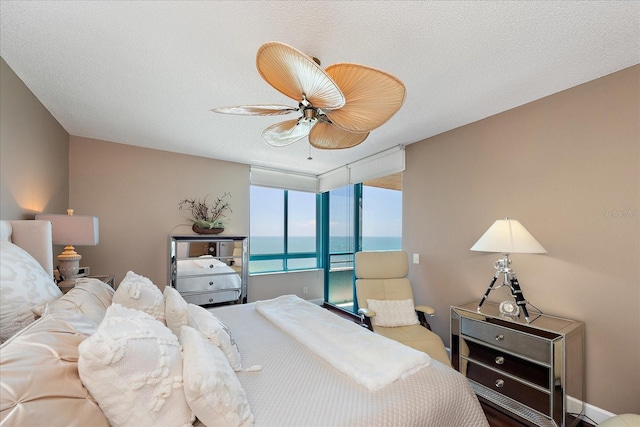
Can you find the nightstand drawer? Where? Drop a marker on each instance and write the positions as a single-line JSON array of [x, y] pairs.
[[528, 371], [511, 340], [500, 383]]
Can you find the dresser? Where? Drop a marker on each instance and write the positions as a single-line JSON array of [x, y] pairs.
[[209, 269], [533, 371]]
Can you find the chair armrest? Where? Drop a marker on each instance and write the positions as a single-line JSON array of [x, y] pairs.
[[423, 311], [426, 309], [365, 317], [367, 312]]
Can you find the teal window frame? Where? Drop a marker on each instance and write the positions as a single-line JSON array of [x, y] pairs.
[[286, 256]]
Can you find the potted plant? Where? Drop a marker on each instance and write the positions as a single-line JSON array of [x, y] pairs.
[[207, 218]]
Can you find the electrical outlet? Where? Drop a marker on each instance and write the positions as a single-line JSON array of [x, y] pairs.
[[305, 290], [416, 258]]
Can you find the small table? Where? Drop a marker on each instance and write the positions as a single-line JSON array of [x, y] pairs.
[[66, 285], [109, 279]]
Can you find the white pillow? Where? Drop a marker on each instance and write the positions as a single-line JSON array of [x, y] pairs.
[[213, 328], [175, 310], [138, 292], [23, 285], [391, 313], [212, 389], [132, 366]]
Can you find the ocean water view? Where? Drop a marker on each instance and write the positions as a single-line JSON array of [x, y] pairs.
[[263, 245]]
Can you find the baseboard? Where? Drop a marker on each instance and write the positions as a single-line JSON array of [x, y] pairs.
[[591, 412]]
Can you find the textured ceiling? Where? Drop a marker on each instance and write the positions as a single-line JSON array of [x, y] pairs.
[[147, 73]]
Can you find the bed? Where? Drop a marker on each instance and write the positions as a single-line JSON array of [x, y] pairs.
[[53, 371]]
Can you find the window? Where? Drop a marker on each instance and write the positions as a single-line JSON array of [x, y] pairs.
[[284, 227], [365, 217]]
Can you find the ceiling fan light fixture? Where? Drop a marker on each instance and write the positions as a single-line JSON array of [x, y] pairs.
[[339, 106]]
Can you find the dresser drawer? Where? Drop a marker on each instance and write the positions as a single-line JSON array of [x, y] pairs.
[[535, 348], [206, 298], [523, 393], [505, 362]]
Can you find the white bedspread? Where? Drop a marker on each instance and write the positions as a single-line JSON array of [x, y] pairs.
[[369, 359], [298, 388]]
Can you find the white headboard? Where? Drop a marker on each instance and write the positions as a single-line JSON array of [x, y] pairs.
[[32, 236]]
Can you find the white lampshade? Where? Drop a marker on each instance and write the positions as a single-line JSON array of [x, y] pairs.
[[74, 230], [70, 230], [508, 236]]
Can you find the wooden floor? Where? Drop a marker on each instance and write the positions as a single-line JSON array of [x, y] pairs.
[[495, 417]]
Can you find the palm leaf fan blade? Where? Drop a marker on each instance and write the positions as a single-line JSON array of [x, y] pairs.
[[293, 74], [372, 97], [287, 132], [326, 136], [256, 110]]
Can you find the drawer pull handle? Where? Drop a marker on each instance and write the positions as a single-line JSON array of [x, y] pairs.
[[499, 360], [499, 383], [210, 299], [500, 337], [211, 266], [210, 283]]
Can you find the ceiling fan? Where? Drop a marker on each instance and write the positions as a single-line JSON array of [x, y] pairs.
[[339, 105]]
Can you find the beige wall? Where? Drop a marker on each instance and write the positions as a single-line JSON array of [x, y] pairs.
[[34, 160], [135, 194], [565, 166], [568, 167]]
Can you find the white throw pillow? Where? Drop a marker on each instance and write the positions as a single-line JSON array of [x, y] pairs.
[[212, 389], [391, 313], [175, 310], [23, 285], [213, 328], [138, 292], [132, 366]]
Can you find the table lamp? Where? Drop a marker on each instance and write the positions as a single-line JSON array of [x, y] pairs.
[[70, 230], [508, 236]]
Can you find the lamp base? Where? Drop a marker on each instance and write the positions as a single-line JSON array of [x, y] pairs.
[[69, 263], [510, 279]]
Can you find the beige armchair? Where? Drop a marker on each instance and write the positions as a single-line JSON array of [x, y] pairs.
[[381, 279]]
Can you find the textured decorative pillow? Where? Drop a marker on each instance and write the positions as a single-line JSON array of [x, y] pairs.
[[138, 292], [133, 368], [23, 285], [90, 297], [212, 389], [40, 381], [213, 328], [391, 313], [175, 310]]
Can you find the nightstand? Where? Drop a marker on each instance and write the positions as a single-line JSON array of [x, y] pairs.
[[528, 370], [109, 279]]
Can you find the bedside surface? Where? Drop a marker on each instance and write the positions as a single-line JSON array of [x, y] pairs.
[[528, 370]]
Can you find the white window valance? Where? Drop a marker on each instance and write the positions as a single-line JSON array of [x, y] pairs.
[[375, 166]]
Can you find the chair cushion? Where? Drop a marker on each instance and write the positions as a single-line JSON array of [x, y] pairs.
[[418, 337], [381, 264], [391, 313]]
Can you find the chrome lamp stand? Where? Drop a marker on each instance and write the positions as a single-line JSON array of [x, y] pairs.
[[509, 279]]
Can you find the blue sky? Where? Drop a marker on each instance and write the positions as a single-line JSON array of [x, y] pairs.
[[382, 212]]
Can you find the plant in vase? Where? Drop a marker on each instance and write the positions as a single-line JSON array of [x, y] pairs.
[[207, 218]]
